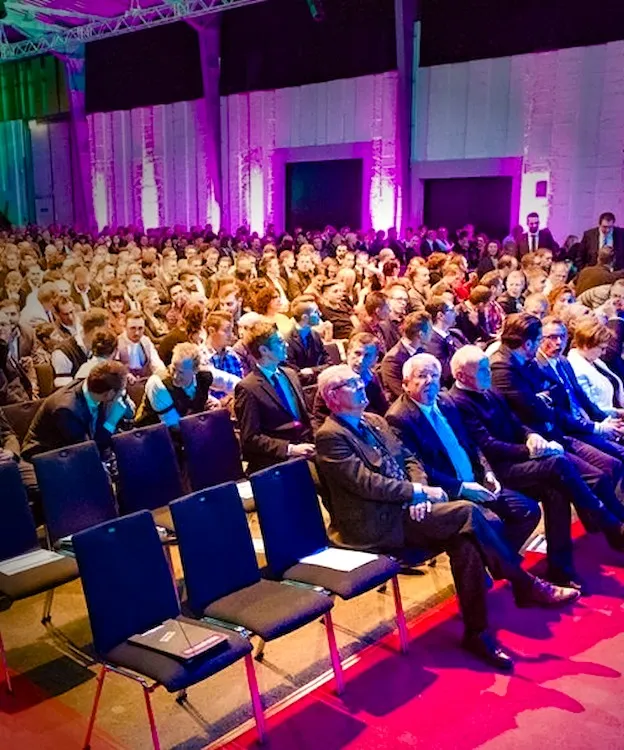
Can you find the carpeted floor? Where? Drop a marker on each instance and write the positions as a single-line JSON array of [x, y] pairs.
[[567, 690]]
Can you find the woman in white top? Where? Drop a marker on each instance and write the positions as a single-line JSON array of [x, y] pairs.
[[601, 384]]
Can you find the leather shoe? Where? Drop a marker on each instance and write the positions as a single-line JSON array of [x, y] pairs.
[[544, 594], [567, 580], [485, 647]]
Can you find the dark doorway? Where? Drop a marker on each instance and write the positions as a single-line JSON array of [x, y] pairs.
[[324, 192], [482, 201]]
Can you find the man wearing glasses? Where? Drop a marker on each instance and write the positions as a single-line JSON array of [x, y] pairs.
[[379, 500]]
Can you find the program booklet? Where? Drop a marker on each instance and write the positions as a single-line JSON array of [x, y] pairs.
[[182, 640]]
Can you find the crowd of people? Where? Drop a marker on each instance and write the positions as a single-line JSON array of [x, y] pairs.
[[440, 387]]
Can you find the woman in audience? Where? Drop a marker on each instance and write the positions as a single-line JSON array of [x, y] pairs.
[[13, 282], [488, 260], [155, 325], [268, 302], [117, 308], [560, 296], [601, 384]]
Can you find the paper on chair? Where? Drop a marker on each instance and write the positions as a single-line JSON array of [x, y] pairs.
[[244, 490], [28, 561], [344, 560]]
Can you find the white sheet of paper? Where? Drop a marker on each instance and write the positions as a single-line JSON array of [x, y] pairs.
[[244, 490], [30, 560], [258, 545], [538, 545], [344, 560]]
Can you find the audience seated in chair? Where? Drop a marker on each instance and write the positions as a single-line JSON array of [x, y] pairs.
[[416, 331], [305, 351]]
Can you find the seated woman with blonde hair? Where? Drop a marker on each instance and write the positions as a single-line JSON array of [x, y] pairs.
[[600, 383]]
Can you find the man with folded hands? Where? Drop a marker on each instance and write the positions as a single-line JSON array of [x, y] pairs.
[[379, 500]]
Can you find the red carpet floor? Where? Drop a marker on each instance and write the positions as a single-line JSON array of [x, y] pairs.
[[567, 690]]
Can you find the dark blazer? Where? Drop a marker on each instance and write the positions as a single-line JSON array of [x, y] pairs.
[[510, 304], [377, 402], [560, 395], [545, 241], [299, 356], [493, 427], [94, 295], [588, 253], [414, 430], [266, 426], [472, 332], [63, 419], [526, 390], [8, 438], [392, 370], [168, 343], [593, 276], [613, 355], [486, 264], [367, 507], [15, 386], [26, 341], [443, 350]]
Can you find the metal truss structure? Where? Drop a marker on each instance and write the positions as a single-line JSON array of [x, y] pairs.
[[45, 31]]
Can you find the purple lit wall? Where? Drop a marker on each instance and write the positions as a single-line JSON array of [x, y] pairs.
[[149, 166], [263, 130], [558, 114]]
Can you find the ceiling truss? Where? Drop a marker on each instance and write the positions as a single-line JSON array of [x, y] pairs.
[[47, 37]]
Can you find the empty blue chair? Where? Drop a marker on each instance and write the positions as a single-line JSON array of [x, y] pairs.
[[222, 576], [211, 450], [18, 537], [292, 528], [129, 590]]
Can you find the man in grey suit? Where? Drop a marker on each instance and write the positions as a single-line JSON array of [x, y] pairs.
[[379, 499]]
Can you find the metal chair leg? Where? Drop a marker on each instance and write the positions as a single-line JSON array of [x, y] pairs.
[[96, 702], [400, 615], [46, 617], [152, 721], [334, 654], [5, 666], [259, 655], [256, 700]]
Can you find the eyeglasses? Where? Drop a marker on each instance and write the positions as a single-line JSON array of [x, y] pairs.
[[355, 384]]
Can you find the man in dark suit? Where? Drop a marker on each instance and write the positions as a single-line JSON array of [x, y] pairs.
[[606, 233], [88, 409], [10, 451], [600, 274], [15, 387], [535, 238], [379, 499], [362, 354], [22, 341], [516, 376], [430, 426], [525, 460], [306, 353], [416, 331], [270, 406], [445, 339], [83, 293]]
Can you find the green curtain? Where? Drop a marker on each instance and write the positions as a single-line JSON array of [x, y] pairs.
[[33, 88], [16, 174]]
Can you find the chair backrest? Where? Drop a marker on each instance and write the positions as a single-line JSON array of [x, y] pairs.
[[45, 379], [215, 544], [18, 533], [289, 514], [75, 489], [126, 579], [333, 352], [19, 416], [211, 450], [148, 471]]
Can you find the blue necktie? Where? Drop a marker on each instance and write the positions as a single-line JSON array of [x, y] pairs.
[[275, 381], [456, 453]]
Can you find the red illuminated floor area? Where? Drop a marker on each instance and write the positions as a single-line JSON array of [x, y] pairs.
[[567, 690]]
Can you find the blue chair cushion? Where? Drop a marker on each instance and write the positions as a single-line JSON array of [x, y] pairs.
[[171, 673], [346, 584], [270, 609]]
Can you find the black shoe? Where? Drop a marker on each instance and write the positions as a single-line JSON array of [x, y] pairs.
[[543, 594], [485, 647], [567, 580]]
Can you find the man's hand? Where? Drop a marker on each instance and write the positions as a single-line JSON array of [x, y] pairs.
[[435, 494], [476, 493], [6, 455], [537, 445], [492, 483], [301, 450], [610, 428], [420, 510], [307, 371]]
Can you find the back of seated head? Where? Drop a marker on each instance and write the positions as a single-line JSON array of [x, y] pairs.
[[491, 279], [6, 303], [590, 333], [415, 323], [464, 358], [107, 376], [534, 301], [185, 351], [519, 328], [61, 300], [103, 344], [193, 315], [216, 320], [94, 317], [480, 294], [528, 261], [263, 299], [374, 302], [301, 305], [436, 260], [507, 261], [258, 335], [44, 331], [436, 305], [606, 256]]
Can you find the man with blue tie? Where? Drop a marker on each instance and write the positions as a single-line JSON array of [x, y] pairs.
[[269, 404], [430, 427]]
